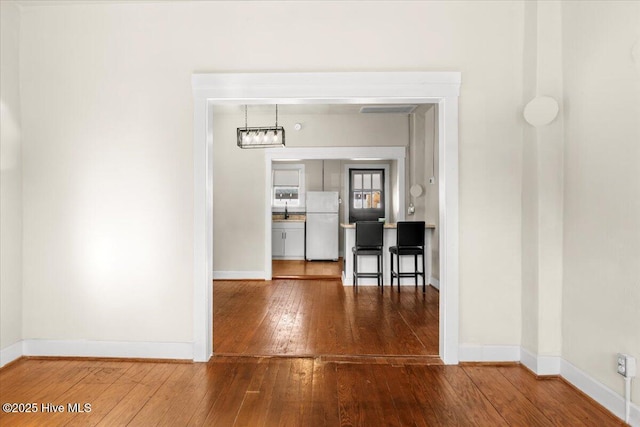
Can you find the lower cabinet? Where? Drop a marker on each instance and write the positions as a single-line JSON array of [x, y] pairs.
[[287, 240]]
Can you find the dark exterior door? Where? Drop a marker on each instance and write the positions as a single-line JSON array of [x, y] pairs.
[[366, 195]]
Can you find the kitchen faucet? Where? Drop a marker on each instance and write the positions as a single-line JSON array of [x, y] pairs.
[[286, 212]]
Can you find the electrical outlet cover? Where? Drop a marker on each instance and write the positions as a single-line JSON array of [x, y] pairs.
[[622, 364], [631, 367]]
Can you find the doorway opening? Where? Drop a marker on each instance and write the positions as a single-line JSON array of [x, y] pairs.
[[335, 88]]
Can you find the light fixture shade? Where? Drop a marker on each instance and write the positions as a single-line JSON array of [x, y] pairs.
[[261, 137]]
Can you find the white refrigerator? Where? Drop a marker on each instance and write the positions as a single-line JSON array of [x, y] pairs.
[[322, 225]]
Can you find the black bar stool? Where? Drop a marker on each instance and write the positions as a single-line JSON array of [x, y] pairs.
[[369, 241], [410, 241]]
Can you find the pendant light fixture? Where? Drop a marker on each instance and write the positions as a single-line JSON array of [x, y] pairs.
[[260, 137]]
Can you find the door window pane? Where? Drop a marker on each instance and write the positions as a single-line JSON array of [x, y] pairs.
[[357, 200], [366, 181], [375, 184], [376, 202], [367, 200], [357, 181]]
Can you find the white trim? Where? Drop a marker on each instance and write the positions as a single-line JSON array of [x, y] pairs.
[[540, 365], [11, 353], [325, 88], [336, 153], [489, 353], [599, 392], [440, 88], [238, 275], [434, 282], [448, 220], [302, 188], [119, 349]]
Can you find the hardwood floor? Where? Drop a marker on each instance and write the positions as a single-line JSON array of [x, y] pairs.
[[322, 317], [383, 386], [306, 270], [258, 391]]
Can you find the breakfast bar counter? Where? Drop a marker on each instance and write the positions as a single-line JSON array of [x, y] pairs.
[[369, 263]]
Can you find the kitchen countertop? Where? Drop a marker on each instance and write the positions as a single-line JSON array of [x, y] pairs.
[[292, 218], [386, 225]]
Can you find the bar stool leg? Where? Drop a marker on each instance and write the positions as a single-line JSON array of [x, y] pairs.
[[355, 270], [391, 270], [399, 274], [424, 273], [415, 269], [381, 272]]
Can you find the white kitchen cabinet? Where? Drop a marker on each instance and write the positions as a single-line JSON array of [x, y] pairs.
[[287, 240], [277, 243]]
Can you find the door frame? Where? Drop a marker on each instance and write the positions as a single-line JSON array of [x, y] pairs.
[[441, 88], [346, 185]]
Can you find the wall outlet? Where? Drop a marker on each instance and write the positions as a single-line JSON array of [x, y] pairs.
[[432, 180], [626, 365]]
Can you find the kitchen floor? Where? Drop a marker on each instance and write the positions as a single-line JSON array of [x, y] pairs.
[[305, 270]]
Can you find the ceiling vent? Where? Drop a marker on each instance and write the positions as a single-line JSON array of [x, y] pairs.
[[388, 109]]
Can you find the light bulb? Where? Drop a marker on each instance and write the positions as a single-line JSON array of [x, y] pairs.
[[257, 138], [268, 137], [275, 136], [246, 138]]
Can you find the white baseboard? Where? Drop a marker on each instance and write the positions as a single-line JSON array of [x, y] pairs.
[[11, 353], [238, 275], [488, 353], [599, 392], [368, 281], [119, 349], [540, 365], [434, 282], [81, 348]]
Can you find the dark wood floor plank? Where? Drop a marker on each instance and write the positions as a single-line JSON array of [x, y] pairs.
[[360, 404], [431, 391], [86, 391], [410, 412], [258, 394], [543, 394], [298, 392], [305, 270], [480, 412], [21, 381], [112, 395], [226, 407], [218, 378], [512, 405], [129, 406], [67, 376], [156, 409], [324, 396]]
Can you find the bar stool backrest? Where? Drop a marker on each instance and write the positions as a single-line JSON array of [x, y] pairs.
[[369, 234], [411, 233]]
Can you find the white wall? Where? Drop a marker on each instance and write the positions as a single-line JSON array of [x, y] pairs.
[[11, 179], [601, 291], [542, 185], [107, 120]]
